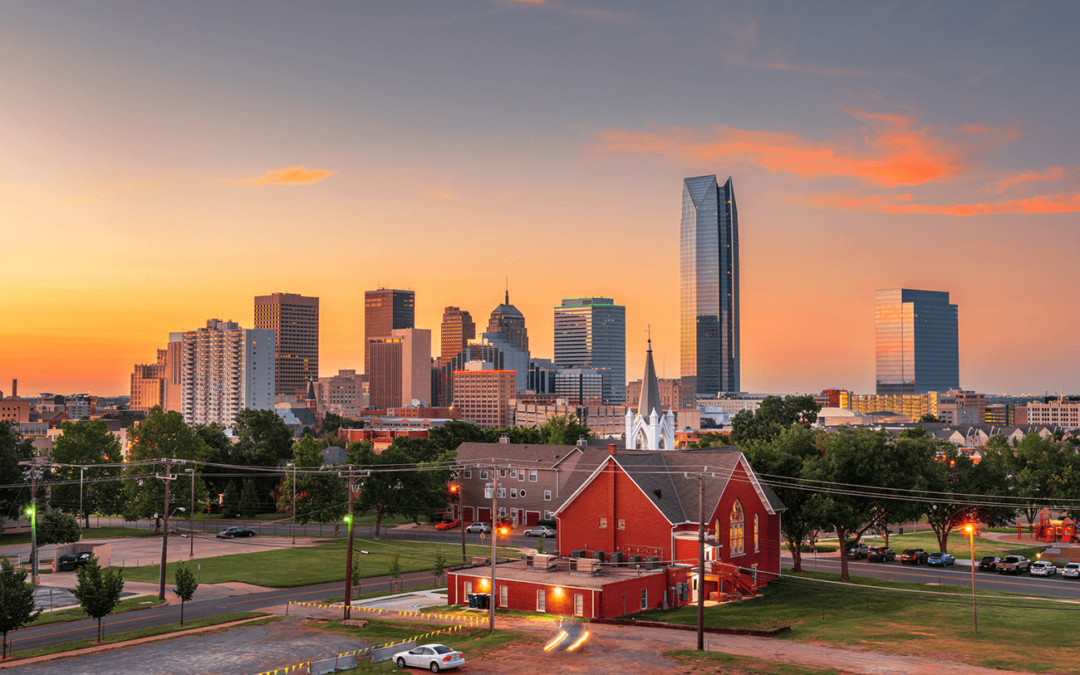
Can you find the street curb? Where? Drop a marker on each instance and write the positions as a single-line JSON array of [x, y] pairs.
[[126, 643]]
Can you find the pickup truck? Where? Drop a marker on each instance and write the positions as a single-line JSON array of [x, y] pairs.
[[1014, 564]]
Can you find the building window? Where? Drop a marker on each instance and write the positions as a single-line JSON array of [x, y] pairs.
[[513, 473], [513, 493], [502, 473], [541, 601], [603, 523], [548, 515], [644, 598], [622, 523], [521, 493], [521, 475], [532, 476], [502, 493], [503, 593], [737, 532], [483, 474], [468, 589], [468, 473], [547, 495], [579, 605], [502, 511], [756, 530]]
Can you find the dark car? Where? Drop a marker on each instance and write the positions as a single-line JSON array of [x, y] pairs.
[[880, 554], [989, 563], [914, 556], [69, 562], [234, 532], [857, 551]]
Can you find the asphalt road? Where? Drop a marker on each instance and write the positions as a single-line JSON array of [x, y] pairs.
[[960, 575], [43, 636]]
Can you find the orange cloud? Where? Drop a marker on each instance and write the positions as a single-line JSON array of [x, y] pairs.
[[893, 150], [1052, 173], [1061, 203], [290, 175]]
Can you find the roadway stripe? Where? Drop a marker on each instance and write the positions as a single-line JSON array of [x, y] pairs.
[[960, 578]]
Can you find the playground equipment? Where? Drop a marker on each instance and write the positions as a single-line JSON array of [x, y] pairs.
[[1049, 530]]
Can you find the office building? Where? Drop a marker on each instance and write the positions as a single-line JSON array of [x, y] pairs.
[[709, 286], [386, 310], [483, 393], [603, 421], [223, 370], [343, 394], [917, 342], [580, 386], [510, 356], [148, 381], [455, 332], [541, 376], [1061, 413], [295, 322], [674, 394], [506, 319], [400, 369], [591, 333], [911, 406]]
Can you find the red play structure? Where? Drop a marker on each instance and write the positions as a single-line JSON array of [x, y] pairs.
[[1050, 531]]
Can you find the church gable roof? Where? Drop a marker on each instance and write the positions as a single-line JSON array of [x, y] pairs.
[[650, 389]]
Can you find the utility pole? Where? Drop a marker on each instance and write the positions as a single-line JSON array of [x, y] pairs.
[[353, 486], [168, 477], [293, 509], [494, 538], [191, 514], [35, 474], [701, 554], [82, 469]]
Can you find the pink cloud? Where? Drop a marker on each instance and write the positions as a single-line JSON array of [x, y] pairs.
[[290, 175]]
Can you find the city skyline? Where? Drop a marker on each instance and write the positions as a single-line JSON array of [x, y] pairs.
[[179, 161]]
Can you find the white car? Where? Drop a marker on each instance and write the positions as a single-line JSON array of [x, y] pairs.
[[432, 657], [478, 527], [1072, 570], [1042, 568]]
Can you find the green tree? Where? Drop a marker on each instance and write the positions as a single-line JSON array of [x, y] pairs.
[[539, 543], [1041, 471], [388, 490], [929, 418], [320, 491], [332, 423], [17, 606], [185, 586], [230, 500], [395, 570], [98, 592], [711, 439], [262, 439], [561, 430], [161, 435], [952, 479], [249, 500], [56, 527], [87, 444], [772, 417], [13, 449], [219, 450], [439, 568]]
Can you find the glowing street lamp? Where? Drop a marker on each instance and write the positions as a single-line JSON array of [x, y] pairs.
[[969, 530]]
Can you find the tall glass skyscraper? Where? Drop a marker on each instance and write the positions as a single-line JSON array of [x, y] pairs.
[[591, 333], [709, 285], [917, 342]]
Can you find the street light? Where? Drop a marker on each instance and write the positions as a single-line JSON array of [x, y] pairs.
[[82, 470], [969, 529], [293, 466], [31, 513]]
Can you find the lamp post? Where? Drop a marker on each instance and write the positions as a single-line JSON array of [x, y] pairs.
[[31, 513], [292, 465], [82, 469], [969, 529], [191, 514]]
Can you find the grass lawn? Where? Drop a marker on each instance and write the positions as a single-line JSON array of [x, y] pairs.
[[958, 544], [142, 633], [473, 643], [1015, 634], [290, 567], [731, 663], [91, 533], [76, 613]]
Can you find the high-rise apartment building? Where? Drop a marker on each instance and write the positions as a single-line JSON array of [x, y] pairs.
[[400, 366], [591, 333], [386, 310], [148, 383], [709, 286], [223, 370], [916, 342], [483, 394], [506, 319], [455, 332], [295, 321]]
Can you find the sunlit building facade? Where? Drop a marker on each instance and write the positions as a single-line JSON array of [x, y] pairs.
[[709, 286], [225, 369], [386, 310], [295, 321], [591, 333], [916, 342]]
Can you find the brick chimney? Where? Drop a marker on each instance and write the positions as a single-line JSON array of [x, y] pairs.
[[612, 449]]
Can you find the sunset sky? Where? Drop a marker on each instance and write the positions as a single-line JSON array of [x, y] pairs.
[[163, 163]]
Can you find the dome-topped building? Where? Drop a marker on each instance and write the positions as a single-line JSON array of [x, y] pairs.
[[509, 321]]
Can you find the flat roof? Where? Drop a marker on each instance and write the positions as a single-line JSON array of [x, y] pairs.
[[519, 571]]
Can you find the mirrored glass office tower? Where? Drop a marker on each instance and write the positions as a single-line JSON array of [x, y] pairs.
[[916, 342], [709, 286]]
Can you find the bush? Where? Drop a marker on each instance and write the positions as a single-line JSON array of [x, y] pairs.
[[549, 523], [805, 548], [58, 528]]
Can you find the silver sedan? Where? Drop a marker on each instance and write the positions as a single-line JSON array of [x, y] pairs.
[[432, 657]]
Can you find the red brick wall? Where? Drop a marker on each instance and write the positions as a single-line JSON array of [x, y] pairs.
[[768, 555], [614, 496], [521, 595]]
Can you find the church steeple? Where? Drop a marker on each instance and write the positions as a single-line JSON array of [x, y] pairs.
[[650, 388], [651, 428]]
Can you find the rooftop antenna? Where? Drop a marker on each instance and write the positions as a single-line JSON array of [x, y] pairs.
[[508, 289]]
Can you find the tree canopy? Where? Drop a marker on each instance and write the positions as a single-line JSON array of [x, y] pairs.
[[98, 592], [17, 605], [13, 449], [162, 435], [87, 444], [773, 416]]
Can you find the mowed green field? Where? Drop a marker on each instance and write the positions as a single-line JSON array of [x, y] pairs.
[[290, 567], [1014, 632]]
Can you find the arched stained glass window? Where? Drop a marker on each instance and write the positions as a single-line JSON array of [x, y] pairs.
[[756, 532], [737, 529]]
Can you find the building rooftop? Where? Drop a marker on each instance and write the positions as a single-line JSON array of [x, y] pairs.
[[558, 575]]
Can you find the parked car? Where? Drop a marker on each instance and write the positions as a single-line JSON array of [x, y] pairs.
[[989, 563], [540, 531], [71, 561], [1013, 564], [448, 524], [857, 551], [478, 527], [1071, 571], [233, 532], [1042, 568], [432, 657], [940, 559], [913, 556], [880, 554]]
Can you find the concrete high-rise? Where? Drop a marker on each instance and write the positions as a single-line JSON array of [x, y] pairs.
[[483, 394], [400, 369], [386, 310], [295, 321], [148, 384], [709, 286], [916, 342], [455, 332], [506, 319], [223, 370], [591, 333]]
